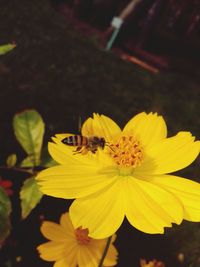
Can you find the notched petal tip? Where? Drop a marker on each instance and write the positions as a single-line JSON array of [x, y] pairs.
[[171, 154], [101, 126], [186, 191], [150, 208], [109, 204], [156, 230], [148, 128]]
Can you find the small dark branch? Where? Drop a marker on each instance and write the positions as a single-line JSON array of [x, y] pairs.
[[105, 251], [17, 169]]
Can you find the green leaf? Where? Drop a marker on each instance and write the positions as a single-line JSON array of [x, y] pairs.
[[30, 196], [28, 162], [11, 160], [6, 48], [29, 131], [5, 210], [46, 159]]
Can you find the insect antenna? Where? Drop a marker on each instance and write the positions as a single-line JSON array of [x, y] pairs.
[[79, 124], [107, 144]]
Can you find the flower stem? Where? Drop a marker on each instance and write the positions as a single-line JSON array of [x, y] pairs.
[[105, 251]]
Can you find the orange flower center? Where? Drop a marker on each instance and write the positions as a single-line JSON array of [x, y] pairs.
[[127, 152], [82, 236]]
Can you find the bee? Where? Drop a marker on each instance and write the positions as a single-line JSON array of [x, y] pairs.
[[85, 144]]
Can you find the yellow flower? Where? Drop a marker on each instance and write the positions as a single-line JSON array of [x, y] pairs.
[[126, 178], [153, 263], [70, 247]]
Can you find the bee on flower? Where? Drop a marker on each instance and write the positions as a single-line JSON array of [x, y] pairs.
[[70, 247], [84, 144], [131, 177]]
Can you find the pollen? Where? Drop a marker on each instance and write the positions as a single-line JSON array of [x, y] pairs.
[[82, 236], [127, 152]]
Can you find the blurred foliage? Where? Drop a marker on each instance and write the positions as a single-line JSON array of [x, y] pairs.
[[5, 210], [29, 130], [6, 48], [46, 159], [11, 160], [30, 196]]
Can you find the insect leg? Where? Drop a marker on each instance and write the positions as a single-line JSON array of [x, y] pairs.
[[84, 151], [78, 150]]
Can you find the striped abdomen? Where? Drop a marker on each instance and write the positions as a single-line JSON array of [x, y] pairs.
[[75, 140]]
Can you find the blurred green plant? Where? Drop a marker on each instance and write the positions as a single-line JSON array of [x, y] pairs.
[[5, 210], [30, 196], [6, 48], [29, 130], [11, 160]]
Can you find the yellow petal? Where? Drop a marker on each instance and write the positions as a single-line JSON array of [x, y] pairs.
[[88, 257], [187, 191], [94, 251], [150, 208], [64, 263], [51, 251], [88, 128], [66, 224], [54, 231], [71, 255], [64, 154], [101, 126], [61, 263], [76, 180], [61, 156], [111, 257], [67, 257], [102, 213], [170, 155], [147, 128]]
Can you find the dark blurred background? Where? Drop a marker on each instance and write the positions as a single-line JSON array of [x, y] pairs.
[[60, 68]]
